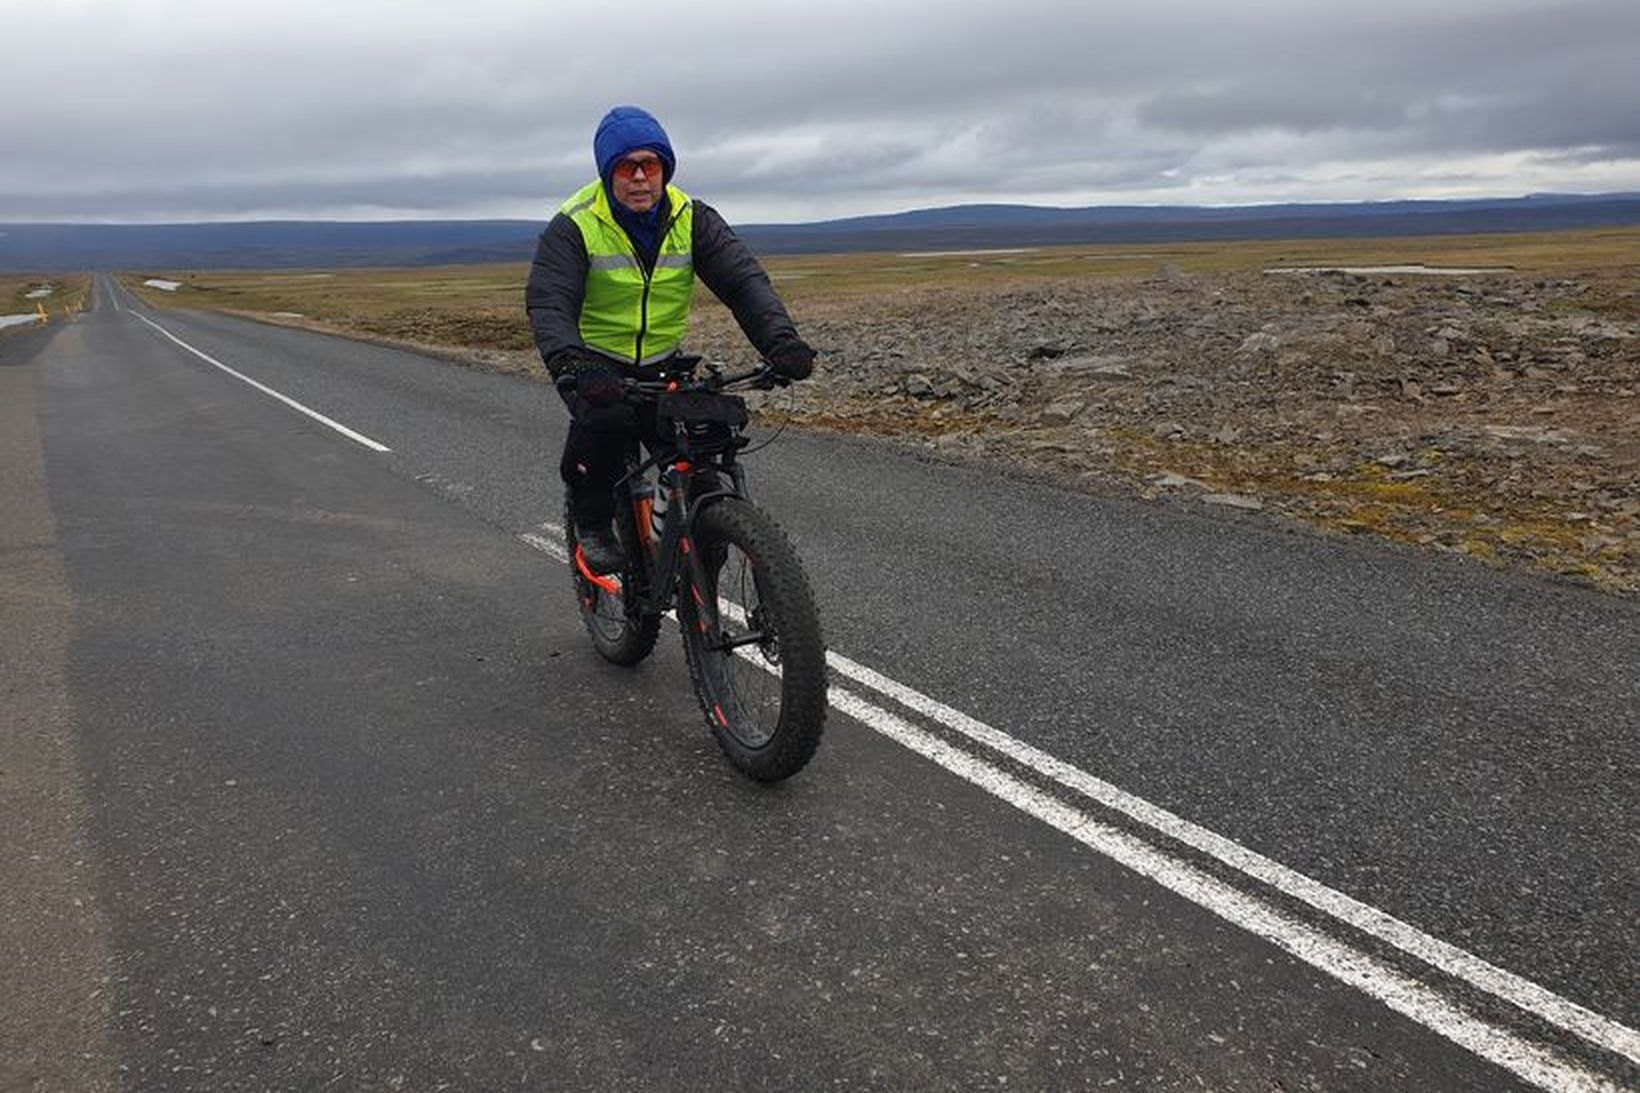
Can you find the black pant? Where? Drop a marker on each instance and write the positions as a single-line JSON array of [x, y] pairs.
[[594, 460]]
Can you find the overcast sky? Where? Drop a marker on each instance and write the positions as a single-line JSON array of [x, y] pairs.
[[791, 110]]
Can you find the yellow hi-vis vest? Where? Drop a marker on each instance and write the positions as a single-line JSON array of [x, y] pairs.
[[627, 314]]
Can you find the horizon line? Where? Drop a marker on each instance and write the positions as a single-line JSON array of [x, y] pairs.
[[435, 219]]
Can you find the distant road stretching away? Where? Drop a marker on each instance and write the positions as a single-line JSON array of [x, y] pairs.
[[312, 777]]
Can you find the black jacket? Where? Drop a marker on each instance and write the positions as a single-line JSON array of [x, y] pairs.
[[722, 262]]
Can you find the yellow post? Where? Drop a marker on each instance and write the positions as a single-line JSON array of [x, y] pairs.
[[41, 308]]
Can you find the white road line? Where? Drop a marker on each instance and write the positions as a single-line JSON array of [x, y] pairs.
[[359, 438], [1346, 963], [107, 288], [1534, 1063], [551, 547], [1459, 963]]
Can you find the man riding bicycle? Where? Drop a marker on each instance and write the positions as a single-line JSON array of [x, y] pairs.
[[609, 295]]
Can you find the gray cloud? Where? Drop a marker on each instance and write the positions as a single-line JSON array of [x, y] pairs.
[[175, 109], [1204, 112]]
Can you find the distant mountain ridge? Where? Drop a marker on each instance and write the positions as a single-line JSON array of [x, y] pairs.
[[990, 215], [327, 244], [268, 244]]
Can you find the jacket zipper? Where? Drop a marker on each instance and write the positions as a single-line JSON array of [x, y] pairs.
[[648, 278], [643, 317]]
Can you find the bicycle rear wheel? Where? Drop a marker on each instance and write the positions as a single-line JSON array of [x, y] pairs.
[[620, 634], [763, 686]]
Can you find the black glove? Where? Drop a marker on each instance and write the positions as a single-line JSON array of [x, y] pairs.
[[792, 358], [588, 376], [595, 396]]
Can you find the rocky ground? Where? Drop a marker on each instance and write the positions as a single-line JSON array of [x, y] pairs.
[[1492, 415]]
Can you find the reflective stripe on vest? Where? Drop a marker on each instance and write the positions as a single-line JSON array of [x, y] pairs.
[[625, 314]]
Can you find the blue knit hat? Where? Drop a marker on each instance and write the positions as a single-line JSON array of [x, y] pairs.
[[624, 130]]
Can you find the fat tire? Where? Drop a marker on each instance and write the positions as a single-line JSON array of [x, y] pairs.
[[784, 594], [625, 642]]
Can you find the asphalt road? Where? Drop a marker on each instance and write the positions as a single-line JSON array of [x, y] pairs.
[[311, 776]]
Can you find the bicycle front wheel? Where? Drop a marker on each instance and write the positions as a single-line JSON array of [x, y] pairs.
[[761, 679]]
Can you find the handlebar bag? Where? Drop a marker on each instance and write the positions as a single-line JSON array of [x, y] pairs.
[[701, 408]]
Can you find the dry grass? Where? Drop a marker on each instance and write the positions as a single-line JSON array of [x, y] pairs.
[[457, 306], [69, 293], [481, 307], [1549, 254]]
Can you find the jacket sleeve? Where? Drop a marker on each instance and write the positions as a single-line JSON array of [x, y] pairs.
[[728, 267], [557, 285]]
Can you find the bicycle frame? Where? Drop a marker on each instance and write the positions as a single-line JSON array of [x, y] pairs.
[[656, 580], [751, 632]]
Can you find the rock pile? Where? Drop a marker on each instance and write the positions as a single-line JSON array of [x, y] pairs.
[[1491, 415]]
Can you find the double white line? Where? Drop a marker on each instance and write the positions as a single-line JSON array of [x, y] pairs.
[[1065, 808]]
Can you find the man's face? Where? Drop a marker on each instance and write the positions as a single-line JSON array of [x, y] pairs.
[[636, 180]]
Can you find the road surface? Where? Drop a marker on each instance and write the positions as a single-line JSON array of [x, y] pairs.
[[311, 779]]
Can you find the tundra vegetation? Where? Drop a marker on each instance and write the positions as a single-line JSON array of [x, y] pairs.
[[1492, 414], [60, 295]]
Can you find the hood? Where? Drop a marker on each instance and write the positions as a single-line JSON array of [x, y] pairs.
[[626, 129]]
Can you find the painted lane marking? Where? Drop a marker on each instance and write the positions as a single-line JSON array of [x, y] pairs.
[[1506, 985], [1532, 1062], [102, 287], [553, 548], [1338, 958], [359, 438]]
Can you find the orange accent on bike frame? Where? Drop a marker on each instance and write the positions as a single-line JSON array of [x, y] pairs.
[[724, 721], [683, 466], [646, 520], [607, 583]]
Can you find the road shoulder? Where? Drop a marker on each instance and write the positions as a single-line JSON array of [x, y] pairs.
[[54, 1028]]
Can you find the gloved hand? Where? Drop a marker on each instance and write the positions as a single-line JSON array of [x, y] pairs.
[[792, 358], [588, 376], [593, 392]]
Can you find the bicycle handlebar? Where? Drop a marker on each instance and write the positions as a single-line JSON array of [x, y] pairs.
[[763, 375]]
